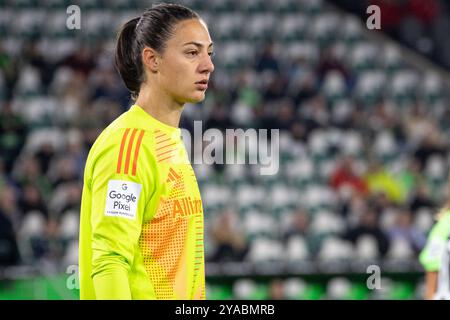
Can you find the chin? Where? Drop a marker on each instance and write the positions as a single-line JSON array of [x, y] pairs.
[[199, 97]]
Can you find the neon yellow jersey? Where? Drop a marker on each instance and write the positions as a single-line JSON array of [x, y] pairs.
[[141, 225], [431, 255]]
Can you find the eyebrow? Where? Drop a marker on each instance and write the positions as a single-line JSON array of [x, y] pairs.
[[198, 44]]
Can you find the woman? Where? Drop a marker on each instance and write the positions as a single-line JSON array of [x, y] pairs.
[[141, 229], [435, 257]]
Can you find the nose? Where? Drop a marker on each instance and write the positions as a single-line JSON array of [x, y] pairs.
[[207, 66]]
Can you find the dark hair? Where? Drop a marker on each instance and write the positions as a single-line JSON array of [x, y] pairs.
[[152, 29]]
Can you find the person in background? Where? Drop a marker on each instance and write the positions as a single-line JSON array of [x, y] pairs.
[[435, 257]]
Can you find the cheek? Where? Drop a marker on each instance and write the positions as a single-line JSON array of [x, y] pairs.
[[178, 76]]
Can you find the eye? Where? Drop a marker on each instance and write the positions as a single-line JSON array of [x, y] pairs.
[[192, 53], [211, 54]]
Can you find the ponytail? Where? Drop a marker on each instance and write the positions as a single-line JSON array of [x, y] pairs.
[[126, 59]]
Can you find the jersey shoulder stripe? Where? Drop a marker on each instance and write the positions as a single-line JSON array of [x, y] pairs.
[[130, 146], [122, 147], [136, 152], [131, 159]]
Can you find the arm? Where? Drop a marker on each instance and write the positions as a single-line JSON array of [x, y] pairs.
[[118, 206], [430, 284]]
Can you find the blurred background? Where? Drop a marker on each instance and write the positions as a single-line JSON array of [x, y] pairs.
[[364, 120]]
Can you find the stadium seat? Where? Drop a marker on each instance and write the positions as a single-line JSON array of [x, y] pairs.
[[352, 143], [282, 198], [249, 197], [432, 88], [286, 6], [247, 289], [400, 249], [295, 288], [334, 248], [403, 86], [71, 254], [265, 249], [338, 288], [423, 220], [366, 247], [293, 27], [325, 222], [363, 56], [369, 86], [228, 26], [296, 249], [385, 146], [391, 59], [334, 86], [69, 225], [258, 224], [323, 28], [351, 30], [41, 137]]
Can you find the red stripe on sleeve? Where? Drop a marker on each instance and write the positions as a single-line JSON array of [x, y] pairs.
[[130, 146], [122, 146], [136, 151]]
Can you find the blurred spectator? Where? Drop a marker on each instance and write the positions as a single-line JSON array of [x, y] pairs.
[[409, 177], [219, 119], [285, 115], [275, 89], [329, 61], [32, 55], [28, 171], [380, 180], [50, 246], [65, 170], [403, 229], [9, 251], [420, 198], [9, 66], [107, 86], [72, 198], [44, 155], [31, 200], [12, 135], [230, 243], [302, 81], [267, 59], [345, 175], [432, 144], [80, 60], [276, 290], [368, 225]]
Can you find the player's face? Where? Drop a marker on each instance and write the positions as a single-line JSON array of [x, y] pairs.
[[186, 61]]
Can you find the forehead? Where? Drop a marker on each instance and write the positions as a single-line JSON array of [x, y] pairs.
[[192, 30]]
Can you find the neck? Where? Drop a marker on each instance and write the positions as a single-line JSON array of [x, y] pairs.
[[160, 105]]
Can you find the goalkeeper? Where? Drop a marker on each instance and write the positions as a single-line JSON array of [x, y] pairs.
[[141, 228]]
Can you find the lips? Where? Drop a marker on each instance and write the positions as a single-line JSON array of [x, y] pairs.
[[202, 85]]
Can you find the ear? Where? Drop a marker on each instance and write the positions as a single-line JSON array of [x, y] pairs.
[[150, 59]]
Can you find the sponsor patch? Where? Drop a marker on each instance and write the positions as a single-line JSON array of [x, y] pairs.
[[122, 199]]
